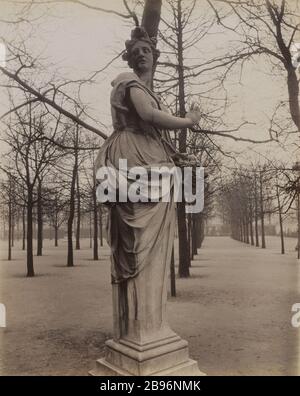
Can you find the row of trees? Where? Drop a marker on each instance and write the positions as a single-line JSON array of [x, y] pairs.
[[48, 127], [261, 28], [251, 194], [48, 170]]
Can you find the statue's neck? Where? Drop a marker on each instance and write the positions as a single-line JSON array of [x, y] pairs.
[[146, 77]]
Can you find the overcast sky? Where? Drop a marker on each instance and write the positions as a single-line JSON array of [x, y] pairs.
[[79, 40]]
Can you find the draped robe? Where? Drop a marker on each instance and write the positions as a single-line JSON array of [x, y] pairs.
[[140, 234]]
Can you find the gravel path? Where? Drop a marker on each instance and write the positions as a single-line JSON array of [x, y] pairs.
[[235, 310]]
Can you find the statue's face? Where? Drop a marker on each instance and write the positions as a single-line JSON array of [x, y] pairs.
[[141, 56]]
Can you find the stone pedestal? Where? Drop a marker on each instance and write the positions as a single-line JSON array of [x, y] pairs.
[[168, 357], [143, 344]]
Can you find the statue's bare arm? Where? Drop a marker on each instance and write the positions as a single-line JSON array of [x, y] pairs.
[[157, 117]]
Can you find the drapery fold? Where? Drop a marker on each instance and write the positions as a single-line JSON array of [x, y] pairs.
[[138, 232]]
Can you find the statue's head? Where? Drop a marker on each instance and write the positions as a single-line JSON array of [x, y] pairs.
[[140, 52]]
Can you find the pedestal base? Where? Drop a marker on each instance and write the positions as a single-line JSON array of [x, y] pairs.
[[168, 357]]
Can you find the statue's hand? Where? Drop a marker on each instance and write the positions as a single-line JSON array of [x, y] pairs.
[[194, 114], [185, 159]]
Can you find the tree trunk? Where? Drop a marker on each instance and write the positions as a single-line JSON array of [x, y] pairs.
[[39, 219], [151, 16], [251, 225], [194, 233], [244, 231], [184, 258], [262, 214], [30, 269], [34, 228], [298, 218], [150, 21], [200, 230], [9, 219], [247, 229], [293, 89], [189, 218], [95, 212], [256, 212], [12, 227], [23, 228], [280, 221], [172, 275], [56, 223], [70, 259], [55, 236], [78, 215], [100, 226], [18, 224], [241, 231], [90, 227]]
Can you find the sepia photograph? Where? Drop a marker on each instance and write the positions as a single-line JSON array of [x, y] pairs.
[[149, 190]]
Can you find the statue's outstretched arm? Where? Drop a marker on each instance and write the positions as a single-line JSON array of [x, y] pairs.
[[157, 117]]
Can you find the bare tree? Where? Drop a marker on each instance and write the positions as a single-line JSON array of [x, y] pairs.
[[56, 208], [267, 28], [32, 155]]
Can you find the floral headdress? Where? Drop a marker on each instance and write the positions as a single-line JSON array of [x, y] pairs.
[[139, 34]]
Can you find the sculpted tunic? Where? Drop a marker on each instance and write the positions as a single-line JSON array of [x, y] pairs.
[[141, 233]]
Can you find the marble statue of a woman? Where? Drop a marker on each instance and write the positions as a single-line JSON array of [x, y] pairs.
[[141, 234]]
